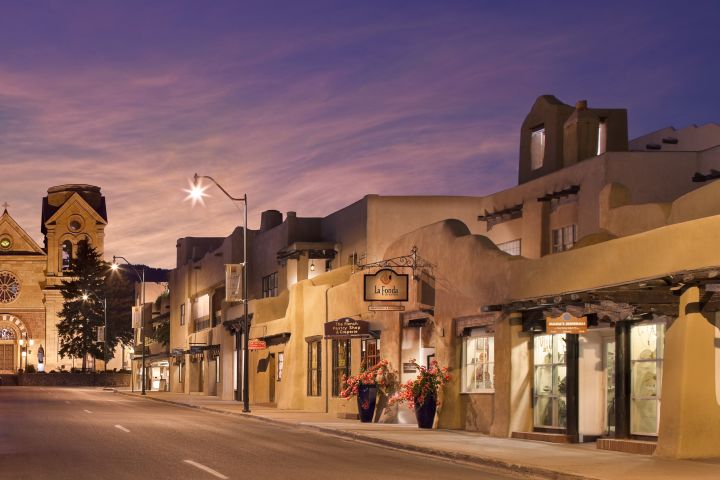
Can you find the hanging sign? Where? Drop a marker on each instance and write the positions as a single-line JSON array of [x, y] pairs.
[[347, 328], [566, 323], [233, 282], [101, 334], [136, 316], [256, 344], [386, 285]]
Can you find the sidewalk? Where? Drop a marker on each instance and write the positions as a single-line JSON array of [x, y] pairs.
[[558, 461]]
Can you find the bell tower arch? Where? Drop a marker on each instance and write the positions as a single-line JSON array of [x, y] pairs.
[[71, 214]]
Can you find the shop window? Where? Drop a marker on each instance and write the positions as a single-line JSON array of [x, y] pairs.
[[201, 313], [270, 285], [280, 365], [182, 314], [537, 148], [340, 364], [512, 247], [564, 238], [478, 369], [180, 370], [646, 359], [370, 352], [609, 355], [550, 389], [314, 369]]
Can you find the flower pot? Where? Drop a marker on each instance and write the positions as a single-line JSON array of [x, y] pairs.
[[425, 412], [366, 397]]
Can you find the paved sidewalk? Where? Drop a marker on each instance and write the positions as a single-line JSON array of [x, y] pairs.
[[578, 461]]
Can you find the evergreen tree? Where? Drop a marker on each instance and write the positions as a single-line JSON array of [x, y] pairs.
[[82, 310], [120, 295]]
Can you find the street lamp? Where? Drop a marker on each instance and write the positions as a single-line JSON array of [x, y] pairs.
[[116, 266], [85, 297], [197, 193], [24, 345]]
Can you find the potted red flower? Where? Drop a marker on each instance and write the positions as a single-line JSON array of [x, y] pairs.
[[421, 394], [365, 385]]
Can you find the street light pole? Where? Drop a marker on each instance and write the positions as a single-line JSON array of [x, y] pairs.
[[197, 193], [142, 313]]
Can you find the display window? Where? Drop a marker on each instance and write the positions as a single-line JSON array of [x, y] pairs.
[[550, 392], [646, 359], [478, 370]]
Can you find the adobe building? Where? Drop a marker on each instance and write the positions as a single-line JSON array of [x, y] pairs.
[[617, 232], [30, 275]]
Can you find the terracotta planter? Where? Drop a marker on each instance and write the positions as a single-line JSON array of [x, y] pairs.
[[425, 413], [367, 394]]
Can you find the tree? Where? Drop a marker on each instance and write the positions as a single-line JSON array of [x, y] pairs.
[[120, 299], [82, 310]]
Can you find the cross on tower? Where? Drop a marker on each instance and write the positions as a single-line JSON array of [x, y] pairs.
[[6, 205]]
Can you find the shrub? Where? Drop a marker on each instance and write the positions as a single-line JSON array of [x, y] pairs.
[[30, 369]]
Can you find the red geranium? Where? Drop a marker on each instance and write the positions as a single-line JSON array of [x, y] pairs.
[[428, 382], [378, 375]]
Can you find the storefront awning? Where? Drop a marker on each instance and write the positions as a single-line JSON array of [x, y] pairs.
[[659, 296]]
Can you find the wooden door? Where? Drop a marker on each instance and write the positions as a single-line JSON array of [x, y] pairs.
[[7, 352]]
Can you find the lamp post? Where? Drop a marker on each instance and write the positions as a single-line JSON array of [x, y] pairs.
[[104, 303], [197, 193], [115, 266]]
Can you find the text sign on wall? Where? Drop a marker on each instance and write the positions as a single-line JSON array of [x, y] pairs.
[[257, 344], [566, 323], [386, 286], [347, 328]]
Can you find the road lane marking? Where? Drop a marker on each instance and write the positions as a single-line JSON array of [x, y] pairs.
[[67, 401], [87, 411], [206, 469], [120, 427]]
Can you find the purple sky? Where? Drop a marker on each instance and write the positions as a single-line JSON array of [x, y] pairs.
[[308, 106]]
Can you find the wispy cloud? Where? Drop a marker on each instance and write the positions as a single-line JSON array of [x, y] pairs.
[[306, 110]]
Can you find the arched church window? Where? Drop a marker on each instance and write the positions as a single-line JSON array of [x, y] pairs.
[[66, 255], [7, 334]]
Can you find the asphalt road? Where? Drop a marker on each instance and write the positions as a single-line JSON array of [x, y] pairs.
[[72, 433]]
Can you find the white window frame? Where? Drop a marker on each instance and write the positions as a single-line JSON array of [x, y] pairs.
[[280, 365], [537, 159], [509, 247], [563, 233], [217, 369], [475, 334]]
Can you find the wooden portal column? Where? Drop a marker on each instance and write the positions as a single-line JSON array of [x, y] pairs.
[[573, 383], [622, 379]]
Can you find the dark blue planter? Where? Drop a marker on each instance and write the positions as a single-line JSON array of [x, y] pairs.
[[425, 413], [366, 397]]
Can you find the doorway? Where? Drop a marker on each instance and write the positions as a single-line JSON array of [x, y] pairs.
[[7, 357], [271, 377]]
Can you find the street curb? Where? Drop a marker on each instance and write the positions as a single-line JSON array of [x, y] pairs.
[[462, 457]]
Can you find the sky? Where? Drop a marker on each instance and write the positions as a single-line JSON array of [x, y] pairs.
[[308, 106]]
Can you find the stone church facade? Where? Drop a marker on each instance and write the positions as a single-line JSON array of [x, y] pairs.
[[31, 275]]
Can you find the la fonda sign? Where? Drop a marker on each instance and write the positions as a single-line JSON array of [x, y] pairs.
[[386, 285]]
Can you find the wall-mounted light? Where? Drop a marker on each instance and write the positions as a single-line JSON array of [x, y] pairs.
[[312, 265]]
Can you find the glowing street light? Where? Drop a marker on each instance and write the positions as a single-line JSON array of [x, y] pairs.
[[196, 193]]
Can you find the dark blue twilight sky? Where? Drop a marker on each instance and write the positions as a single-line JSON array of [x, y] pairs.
[[309, 105]]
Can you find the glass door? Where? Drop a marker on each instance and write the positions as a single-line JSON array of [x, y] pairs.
[[550, 392], [646, 359]]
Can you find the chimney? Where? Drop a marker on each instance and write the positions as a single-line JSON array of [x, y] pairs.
[[270, 219], [581, 105]]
